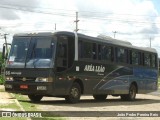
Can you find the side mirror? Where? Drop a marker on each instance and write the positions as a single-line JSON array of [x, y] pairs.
[[5, 50]]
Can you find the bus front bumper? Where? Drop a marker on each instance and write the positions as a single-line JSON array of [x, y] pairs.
[[38, 88]]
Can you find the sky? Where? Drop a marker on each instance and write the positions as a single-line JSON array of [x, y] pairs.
[[136, 21]]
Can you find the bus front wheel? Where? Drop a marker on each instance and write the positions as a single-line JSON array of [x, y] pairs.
[[74, 94], [132, 94], [100, 97], [35, 98]]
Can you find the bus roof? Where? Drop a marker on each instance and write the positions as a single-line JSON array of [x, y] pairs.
[[100, 38]]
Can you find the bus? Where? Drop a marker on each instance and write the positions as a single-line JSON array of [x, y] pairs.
[[69, 64]]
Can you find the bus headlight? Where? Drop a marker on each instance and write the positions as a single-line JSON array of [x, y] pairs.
[[42, 79], [9, 78]]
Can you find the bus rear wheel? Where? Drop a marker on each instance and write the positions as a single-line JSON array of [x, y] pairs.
[[35, 98], [132, 94], [100, 97], [74, 94]]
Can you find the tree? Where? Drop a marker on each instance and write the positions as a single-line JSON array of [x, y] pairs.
[[1, 63]]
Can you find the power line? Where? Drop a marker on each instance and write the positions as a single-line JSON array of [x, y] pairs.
[[35, 11], [134, 24], [124, 33], [93, 12], [11, 6], [66, 14], [71, 15], [122, 20], [35, 7]]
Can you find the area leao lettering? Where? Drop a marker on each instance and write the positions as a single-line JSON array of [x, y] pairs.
[[93, 68]]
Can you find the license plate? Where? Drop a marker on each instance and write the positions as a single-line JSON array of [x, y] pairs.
[[24, 86]]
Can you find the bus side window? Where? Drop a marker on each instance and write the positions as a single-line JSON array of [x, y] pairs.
[[147, 59], [94, 51], [139, 58], [80, 48], [62, 54], [71, 51], [121, 55], [135, 58], [99, 52], [87, 50], [112, 54], [153, 60], [106, 52]]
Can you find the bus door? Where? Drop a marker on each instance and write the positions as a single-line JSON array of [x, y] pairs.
[[64, 60]]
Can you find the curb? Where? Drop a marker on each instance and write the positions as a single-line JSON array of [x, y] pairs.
[[15, 100], [18, 104]]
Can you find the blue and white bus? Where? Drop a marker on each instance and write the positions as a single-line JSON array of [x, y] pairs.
[[68, 65]]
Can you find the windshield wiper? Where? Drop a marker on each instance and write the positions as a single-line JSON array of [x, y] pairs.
[[27, 53], [32, 54]]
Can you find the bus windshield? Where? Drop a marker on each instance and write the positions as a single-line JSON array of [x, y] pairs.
[[35, 52]]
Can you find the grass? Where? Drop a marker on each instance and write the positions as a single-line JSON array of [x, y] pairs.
[[13, 105], [13, 118], [2, 90], [48, 118], [10, 106], [1, 79], [29, 106]]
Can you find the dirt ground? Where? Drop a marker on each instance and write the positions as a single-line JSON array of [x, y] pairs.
[[89, 109], [97, 110], [5, 99]]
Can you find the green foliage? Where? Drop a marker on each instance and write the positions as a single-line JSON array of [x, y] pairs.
[[1, 79], [1, 64], [1, 60]]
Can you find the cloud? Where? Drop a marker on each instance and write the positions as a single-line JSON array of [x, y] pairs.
[[6, 14], [134, 20], [118, 13], [8, 8]]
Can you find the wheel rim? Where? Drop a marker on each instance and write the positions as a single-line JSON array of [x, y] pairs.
[[74, 92], [132, 92]]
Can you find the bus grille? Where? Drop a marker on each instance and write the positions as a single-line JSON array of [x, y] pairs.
[[31, 79]]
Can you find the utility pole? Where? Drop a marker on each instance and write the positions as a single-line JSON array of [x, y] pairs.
[[150, 40], [114, 32], [76, 21], [55, 26], [5, 38]]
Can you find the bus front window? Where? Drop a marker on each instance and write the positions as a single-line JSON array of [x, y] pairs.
[[40, 53], [35, 52], [18, 52]]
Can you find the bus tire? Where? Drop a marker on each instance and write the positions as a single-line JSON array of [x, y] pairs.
[[35, 98], [74, 94], [100, 97], [132, 94]]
